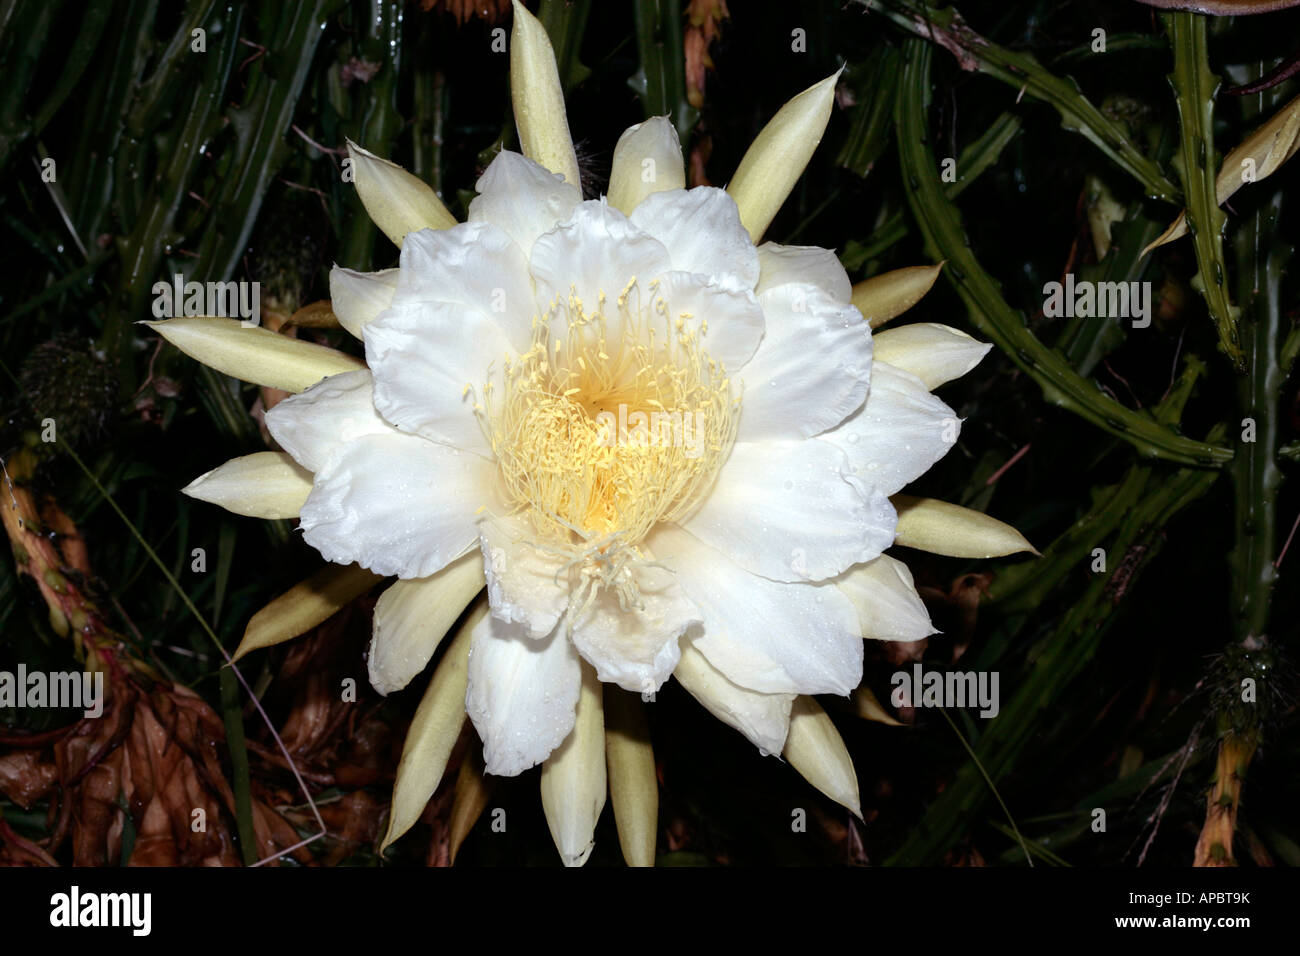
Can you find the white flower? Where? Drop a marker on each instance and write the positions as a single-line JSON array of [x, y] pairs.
[[669, 451]]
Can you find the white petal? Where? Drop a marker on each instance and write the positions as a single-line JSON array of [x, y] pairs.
[[647, 159], [475, 266], [527, 585], [633, 782], [254, 354], [812, 369], [888, 295], [811, 265], [701, 230], [815, 748], [522, 694], [765, 635], [313, 424], [791, 512], [266, 484], [597, 252], [900, 431], [397, 504], [763, 718], [884, 594], [433, 733], [733, 316], [635, 648], [943, 528], [357, 297], [305, 605], [412, 617], [777, 157], [933, 353], [431, 361], [538, 98], [396, 201], [573, 778], [522, 198]]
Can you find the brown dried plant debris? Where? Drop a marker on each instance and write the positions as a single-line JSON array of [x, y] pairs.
[[332, 729], [959, 608], [704, 22], [155, 750]]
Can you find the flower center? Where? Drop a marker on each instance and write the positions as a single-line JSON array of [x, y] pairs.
[[607, 426]]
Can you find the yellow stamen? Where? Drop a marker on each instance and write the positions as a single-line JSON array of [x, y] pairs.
[[608, 428]]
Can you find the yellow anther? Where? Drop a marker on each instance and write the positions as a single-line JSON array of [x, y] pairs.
[[599, 437]]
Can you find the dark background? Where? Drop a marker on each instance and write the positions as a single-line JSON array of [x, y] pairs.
[[173, 161]]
